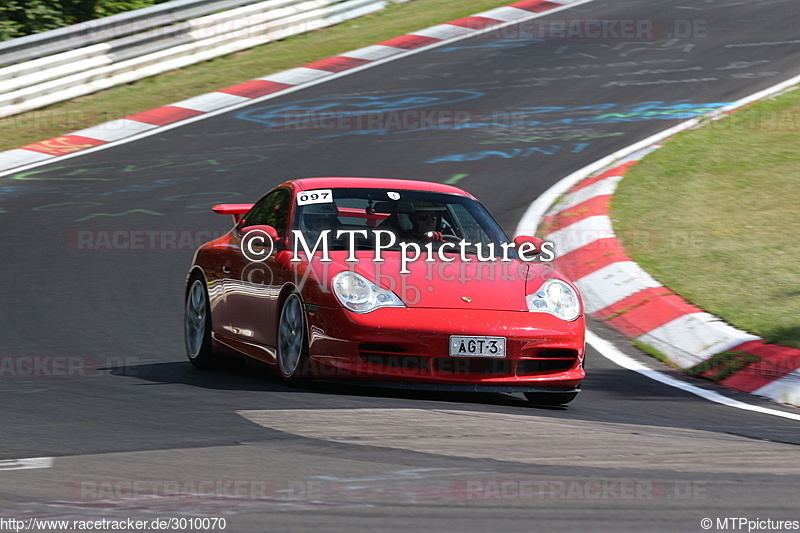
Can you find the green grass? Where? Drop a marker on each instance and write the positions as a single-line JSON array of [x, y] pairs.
[[209, 76], [646, 348], [723, 365], [715, 216]]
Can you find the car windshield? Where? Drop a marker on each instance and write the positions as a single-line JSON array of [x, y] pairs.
[[405, 216]]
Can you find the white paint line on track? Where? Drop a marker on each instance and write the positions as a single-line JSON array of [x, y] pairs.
[[284, 92], [27, 464], [612, 353]]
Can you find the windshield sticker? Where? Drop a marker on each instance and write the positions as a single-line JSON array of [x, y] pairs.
[[319, 196]]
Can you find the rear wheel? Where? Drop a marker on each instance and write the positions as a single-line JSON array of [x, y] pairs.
[[197, 328], [292, 343], [550, 398]]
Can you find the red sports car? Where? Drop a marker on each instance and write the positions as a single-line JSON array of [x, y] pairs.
[[391, 282]]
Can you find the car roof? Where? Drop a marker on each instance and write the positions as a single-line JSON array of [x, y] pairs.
[[305, 184]]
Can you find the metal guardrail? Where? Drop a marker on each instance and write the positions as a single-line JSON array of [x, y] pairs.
[[107, 28], [135, 45]]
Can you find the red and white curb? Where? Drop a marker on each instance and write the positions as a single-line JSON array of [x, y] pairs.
[[259, 89], [618, 291]]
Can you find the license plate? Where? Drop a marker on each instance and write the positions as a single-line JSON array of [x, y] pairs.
[[461, 346]]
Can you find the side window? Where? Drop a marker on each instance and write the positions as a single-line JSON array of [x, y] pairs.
[[272, 210], [466, 226]]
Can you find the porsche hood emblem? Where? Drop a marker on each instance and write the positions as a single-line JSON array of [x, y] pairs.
[[466, 299]]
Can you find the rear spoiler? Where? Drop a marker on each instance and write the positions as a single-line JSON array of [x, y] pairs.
[[236, 210]]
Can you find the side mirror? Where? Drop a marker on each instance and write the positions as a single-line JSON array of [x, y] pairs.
[[271, 232], [528, 246]]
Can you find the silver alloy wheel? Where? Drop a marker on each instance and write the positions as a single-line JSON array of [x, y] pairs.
[[195, 318], [291, 335]]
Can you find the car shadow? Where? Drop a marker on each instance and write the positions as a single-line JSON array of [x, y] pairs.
[[257, 376], [250, 377]]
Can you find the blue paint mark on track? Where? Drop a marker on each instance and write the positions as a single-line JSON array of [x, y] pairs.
[[323, 109], [575, 116], [501, 43]]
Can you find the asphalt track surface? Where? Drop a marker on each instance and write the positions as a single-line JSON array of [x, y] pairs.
[[629, 454]]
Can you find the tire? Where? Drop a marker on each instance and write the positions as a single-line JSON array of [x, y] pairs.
[[197, 327], [292, 342], [550, 398]]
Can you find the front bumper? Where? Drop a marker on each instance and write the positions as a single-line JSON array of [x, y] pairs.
[[411, 345]]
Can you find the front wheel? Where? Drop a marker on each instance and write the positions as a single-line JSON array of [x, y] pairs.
[[550, 398], [292, 344]]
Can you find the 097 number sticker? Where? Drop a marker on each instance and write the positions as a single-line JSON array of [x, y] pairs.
[[319, 196]]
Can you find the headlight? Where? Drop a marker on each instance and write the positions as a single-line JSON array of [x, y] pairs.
[[360, 295], [557, 298]]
